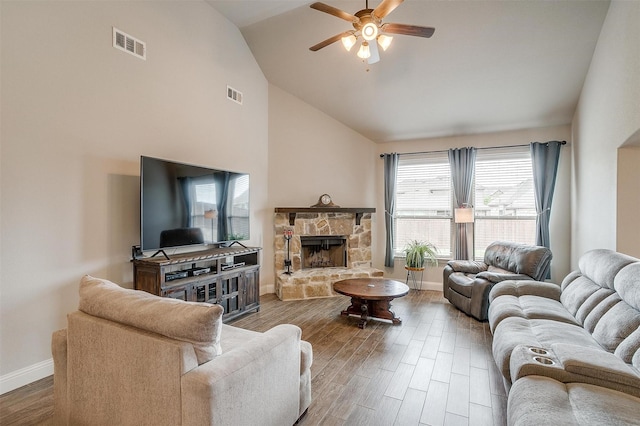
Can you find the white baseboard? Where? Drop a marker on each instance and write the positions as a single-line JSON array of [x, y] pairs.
[[266, 289], [429, 285], [24, 376]]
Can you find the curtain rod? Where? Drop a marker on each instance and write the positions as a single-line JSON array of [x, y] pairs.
[[486, 147]]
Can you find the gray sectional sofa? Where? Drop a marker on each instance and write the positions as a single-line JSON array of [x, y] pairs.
[[570, 353]]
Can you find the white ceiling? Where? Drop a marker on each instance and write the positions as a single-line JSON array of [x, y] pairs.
[[490, 66]]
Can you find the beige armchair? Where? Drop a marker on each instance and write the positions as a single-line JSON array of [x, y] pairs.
[[130, 358], [466, 283]]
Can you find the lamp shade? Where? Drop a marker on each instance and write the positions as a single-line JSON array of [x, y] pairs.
[[463, 215], [348, 41], [364, 52], [384, 41]]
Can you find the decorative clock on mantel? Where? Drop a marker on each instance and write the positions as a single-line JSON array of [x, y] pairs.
[[325, 201]]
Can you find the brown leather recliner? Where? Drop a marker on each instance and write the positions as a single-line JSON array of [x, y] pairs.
[[467, 283]]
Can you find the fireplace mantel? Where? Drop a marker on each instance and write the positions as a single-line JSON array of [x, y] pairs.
[[358, 211]]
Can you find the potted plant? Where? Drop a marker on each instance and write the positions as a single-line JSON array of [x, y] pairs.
[[418, 252]]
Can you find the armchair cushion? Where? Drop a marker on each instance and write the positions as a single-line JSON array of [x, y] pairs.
[[196, 323]]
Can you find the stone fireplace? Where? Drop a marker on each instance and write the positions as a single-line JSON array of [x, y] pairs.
[[327, 245]]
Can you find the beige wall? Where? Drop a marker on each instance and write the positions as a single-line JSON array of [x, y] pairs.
[[311, 154], [628, 199], [76, 116], [608, 115], [560, 213]]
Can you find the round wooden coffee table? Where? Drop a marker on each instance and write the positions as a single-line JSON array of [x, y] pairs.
[[371, 297]]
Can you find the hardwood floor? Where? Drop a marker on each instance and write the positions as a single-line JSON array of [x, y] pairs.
[[435, 368]]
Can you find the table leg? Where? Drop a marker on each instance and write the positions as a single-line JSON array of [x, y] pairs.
[[363, 316], [368, 309]]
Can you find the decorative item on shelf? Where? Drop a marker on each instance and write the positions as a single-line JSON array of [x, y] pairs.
[[325, 201], [288, 233], [464, 214], [417, 253]]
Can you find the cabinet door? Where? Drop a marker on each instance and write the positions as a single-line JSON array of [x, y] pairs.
[[229, 296], [251, 289], [205, 292], [181, 293]]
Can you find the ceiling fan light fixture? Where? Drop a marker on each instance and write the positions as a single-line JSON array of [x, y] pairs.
[[348, 42], [364, 52], [369, 31], [384, 41]]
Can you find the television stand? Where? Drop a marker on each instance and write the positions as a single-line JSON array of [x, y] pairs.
[[205, 276]]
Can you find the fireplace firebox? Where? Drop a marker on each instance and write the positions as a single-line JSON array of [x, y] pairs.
[[326, 251]]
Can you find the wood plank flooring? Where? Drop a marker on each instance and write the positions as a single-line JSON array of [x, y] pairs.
[[435, 368]]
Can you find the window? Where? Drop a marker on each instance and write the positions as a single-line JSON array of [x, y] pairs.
[[423, 201], [504, 199]]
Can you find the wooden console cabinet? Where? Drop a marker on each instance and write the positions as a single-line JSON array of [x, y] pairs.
[[232, 279]]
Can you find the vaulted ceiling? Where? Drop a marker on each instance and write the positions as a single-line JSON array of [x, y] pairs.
[[490, 66]]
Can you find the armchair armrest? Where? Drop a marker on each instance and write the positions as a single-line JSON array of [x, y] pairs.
[[467, 266], [231, 388]]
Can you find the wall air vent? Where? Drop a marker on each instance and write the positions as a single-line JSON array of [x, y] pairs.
[[234, 95], [126, 43]]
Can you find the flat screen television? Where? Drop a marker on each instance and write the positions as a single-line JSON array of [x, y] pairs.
[[184, 205]]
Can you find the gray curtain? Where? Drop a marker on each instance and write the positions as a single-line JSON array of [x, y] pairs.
[[544, 161], [462, 162], [390, 173]]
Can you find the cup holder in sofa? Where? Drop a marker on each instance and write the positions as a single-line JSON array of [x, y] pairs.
[[543, 360], [538, 351]]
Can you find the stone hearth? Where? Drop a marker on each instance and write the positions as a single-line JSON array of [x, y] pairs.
[[318, 282]]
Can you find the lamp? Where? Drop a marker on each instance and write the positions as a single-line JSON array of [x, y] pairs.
[[463, 215], [213, 215], [348, 42], [364, 52], [384, 41]]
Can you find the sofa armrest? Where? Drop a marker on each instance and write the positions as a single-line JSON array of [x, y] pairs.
[[467, 266], [255, 383], [569, 363], [596, 364]]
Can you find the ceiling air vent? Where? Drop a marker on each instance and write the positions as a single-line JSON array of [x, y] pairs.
[[126, 43], [234, 95]]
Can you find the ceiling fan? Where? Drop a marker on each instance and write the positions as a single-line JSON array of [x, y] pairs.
[[368, 25]]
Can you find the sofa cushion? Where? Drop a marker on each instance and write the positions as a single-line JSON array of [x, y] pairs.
[[196, 323], [627, 284], [519, 258], [602, 265], [535, 400], [528, 307]]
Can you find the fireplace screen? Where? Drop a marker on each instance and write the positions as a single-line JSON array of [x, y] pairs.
[[323, 251]]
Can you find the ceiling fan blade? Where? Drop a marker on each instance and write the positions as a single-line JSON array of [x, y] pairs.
[[412, 30], [386, 7], [329, 41], [375, 54], [334, 11]]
